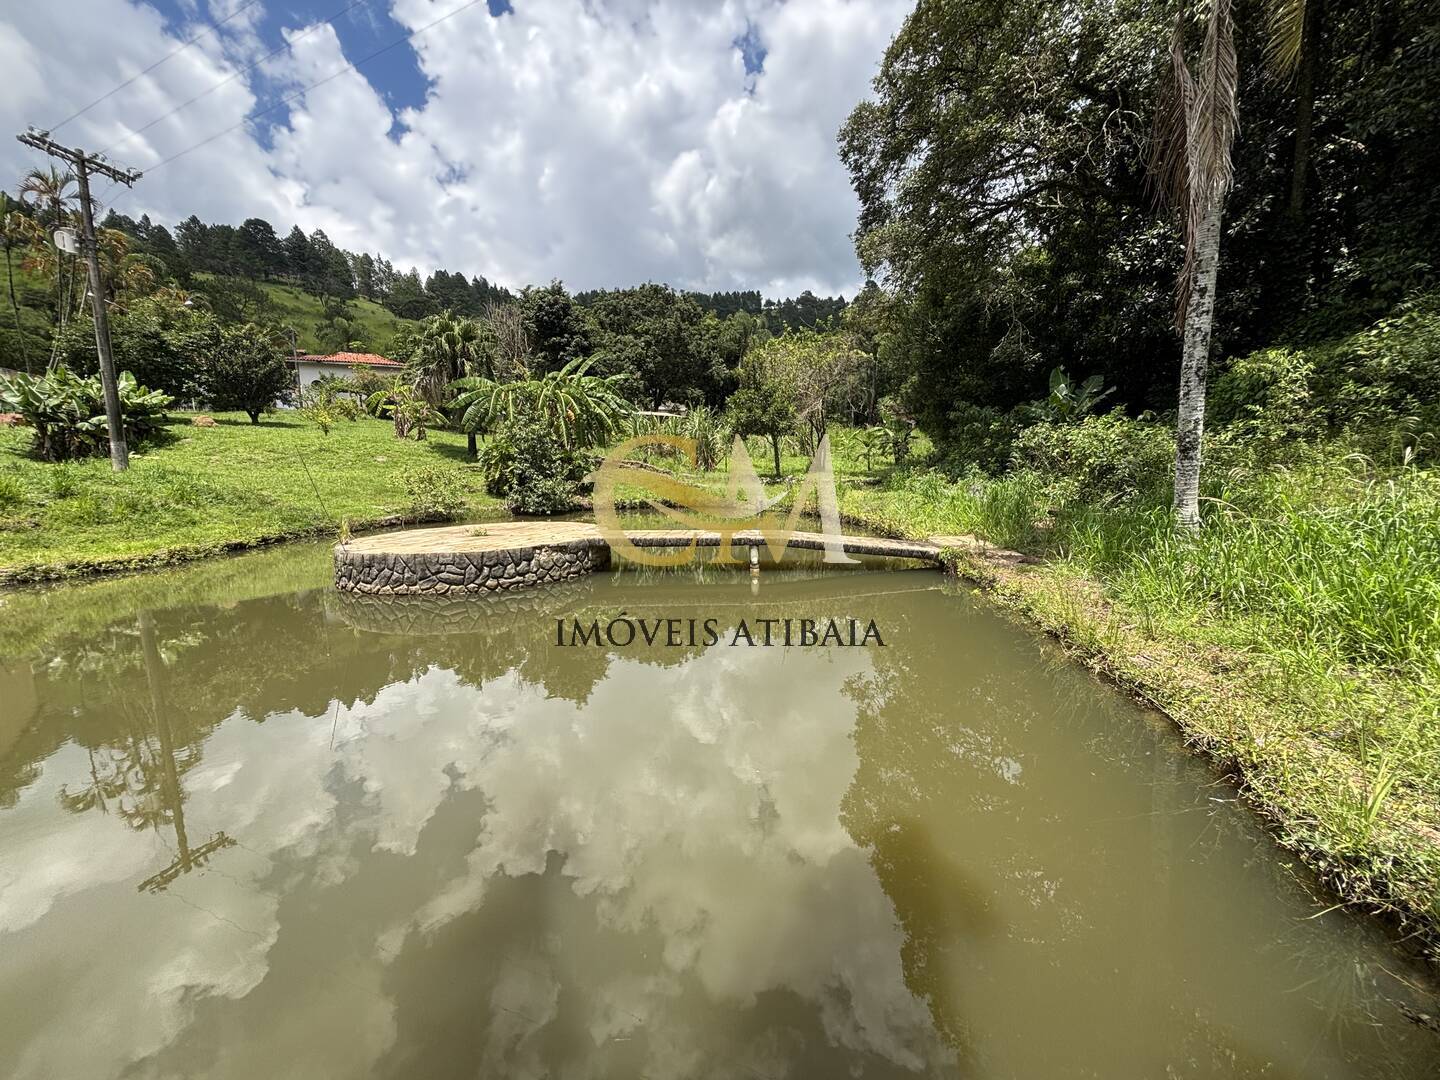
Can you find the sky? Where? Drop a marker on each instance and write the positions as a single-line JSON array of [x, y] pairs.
[[602, 142]]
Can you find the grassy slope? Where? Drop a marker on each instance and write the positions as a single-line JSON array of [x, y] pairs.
[[208, 490], [297, 308]]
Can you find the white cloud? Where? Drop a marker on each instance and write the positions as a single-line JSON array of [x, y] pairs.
[[606, 143]]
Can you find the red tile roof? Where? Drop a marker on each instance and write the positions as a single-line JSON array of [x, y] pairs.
[[348, 359]]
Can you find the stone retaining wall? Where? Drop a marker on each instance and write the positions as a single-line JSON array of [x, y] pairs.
[[443, 572]]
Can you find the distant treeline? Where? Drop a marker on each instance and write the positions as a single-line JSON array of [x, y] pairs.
[[254, 250], [806, 311]]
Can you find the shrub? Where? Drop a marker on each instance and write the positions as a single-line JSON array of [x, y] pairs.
[[157, 338], [1266, 398], [432, 491], [976, 437], [526, 465], [67, 412], [1110, 458]]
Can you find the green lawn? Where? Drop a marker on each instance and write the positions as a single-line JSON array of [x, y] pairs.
[[206, 490]]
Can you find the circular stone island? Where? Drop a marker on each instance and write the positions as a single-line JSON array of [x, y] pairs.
[[517, 554]]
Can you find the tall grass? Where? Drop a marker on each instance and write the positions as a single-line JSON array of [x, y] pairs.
[[1357, 573]]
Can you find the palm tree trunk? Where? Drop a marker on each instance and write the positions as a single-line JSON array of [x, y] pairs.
[[15, 307], [1305, 107], [471, 447], [1194, 361]]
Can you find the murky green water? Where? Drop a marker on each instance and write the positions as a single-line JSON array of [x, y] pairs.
[[250, 828]]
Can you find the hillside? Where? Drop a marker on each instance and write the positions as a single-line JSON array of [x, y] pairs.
[[285, 305], [302, 310]]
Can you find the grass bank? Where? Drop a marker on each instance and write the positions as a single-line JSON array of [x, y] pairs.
[[206, 490], [1295, 640]]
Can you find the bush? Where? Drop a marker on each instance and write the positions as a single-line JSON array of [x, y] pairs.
[[156, 338], [1266, 400], [976, 437], [67, 412], [1104, 459], [432, 491], [526, 465]]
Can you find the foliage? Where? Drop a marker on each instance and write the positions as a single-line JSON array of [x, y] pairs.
[[579, 409], [706, 428], [555, 326], [1004, 202], [158, 338], [1069, 400], [827, 376], [975, 437], [66, 412], [764, 404], [247, 370], [1375, 387], [327, 401], [893, 435], [406, 407], [1266, 401], [526, 465], [450, 347], [664, 341], [1385, 372], [432, 491], [1106, 459]]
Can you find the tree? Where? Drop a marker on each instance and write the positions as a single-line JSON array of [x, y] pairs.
[[510, 348], [579, 410], [159, 338], [15, 232], [555, 326], [663, 339], [1194, 133], [450, 347], [297, 253], [49, 192], [825, 374], [247, 371], [764, 404], [261, 251]]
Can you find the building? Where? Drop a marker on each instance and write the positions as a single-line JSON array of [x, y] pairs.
[[310, 367]]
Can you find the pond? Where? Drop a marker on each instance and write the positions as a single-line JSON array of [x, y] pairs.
[[250, 827]]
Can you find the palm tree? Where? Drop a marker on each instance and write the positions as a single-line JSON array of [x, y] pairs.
[[1292, 51], [15, 232], [49, 191], [450, 348], [578, 408], [1194, 133]]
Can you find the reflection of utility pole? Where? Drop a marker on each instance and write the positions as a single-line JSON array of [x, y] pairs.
[[84, 164], [186, 858]]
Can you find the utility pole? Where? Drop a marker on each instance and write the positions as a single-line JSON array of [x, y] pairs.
[[83, 165]]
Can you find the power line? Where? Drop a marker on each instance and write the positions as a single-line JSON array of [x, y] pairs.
[[210, 28], [318, 83], [236, 74]]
